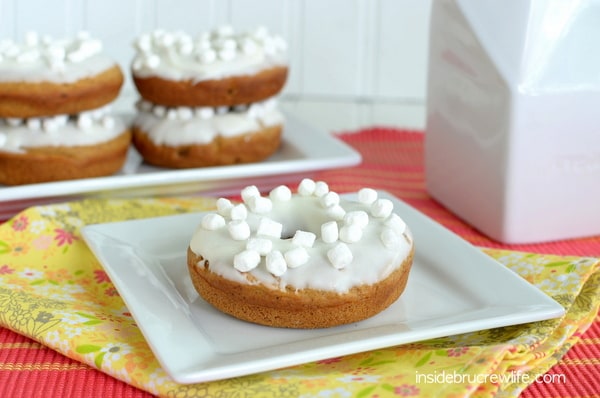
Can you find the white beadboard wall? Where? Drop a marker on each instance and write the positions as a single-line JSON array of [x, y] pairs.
[[353, 63]]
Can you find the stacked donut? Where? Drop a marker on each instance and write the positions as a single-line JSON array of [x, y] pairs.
[[208, 100], [55, 122]]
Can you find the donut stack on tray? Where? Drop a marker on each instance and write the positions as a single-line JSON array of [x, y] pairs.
[[208, 100], [55, 121]]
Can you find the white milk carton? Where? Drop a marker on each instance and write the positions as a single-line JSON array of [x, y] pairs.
[[512, 143]]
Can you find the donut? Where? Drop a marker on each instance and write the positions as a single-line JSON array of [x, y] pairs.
[[35, 150], [302, 260], [47, 77], [218, 68], [185, 137], [209, 100]]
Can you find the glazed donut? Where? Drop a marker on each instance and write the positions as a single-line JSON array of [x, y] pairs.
[[46, 77], [63, 147], [304, 260], [218, 68], [185, 137]]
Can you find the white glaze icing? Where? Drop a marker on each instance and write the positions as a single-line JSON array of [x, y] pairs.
[[38, 59], [86, 128], [183, 125], [176, 55], [330, 264]]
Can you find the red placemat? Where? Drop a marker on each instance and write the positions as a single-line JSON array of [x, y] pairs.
[[393, 161]]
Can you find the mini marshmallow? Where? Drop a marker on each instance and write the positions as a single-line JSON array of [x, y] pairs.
[[382, 208], [108, 122], [340, 256], [184, 113], [202, 44], [171, 114], [260, 33], [204, 112], [296, 257], [395, 222], [321, 188], [165, 39], [389, 237], [239, 229], [255, 110], [304, 239], [330, 199], [306, 187], [98, 113], [144, 106], [152, 61], [246, 261], [186, 48], [50, 125], [227, 54], [249, 47], [261, 245], [208, 56], [268, 227], [350, 233], [159, 111], [249, 192], [28, 56], [224, 207], [238, 212], [227, 44], [61, 120], [76, 56], [336, 212], [31, 38], [275, 262], [213, 221], [280, 194], [329, 232], [34, 123], [367, 196], [143, 43], [14, 121], [260, 204], [359, 218]]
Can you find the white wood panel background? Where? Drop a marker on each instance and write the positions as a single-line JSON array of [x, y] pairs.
[[353, 63]]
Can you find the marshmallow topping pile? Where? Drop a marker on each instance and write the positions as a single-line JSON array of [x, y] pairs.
[[55, 53], [342, 230], [221, 44]]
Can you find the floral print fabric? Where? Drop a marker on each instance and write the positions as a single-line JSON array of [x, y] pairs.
[[53, 290]]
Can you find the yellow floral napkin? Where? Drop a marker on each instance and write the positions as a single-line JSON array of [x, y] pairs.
[[53, 290]]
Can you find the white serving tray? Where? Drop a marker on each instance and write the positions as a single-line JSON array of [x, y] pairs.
[[304, 150]]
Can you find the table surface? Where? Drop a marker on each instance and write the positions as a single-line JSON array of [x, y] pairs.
[[29, 369]]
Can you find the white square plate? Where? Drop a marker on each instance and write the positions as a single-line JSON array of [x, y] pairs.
[[304, 149], [453, 288]]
